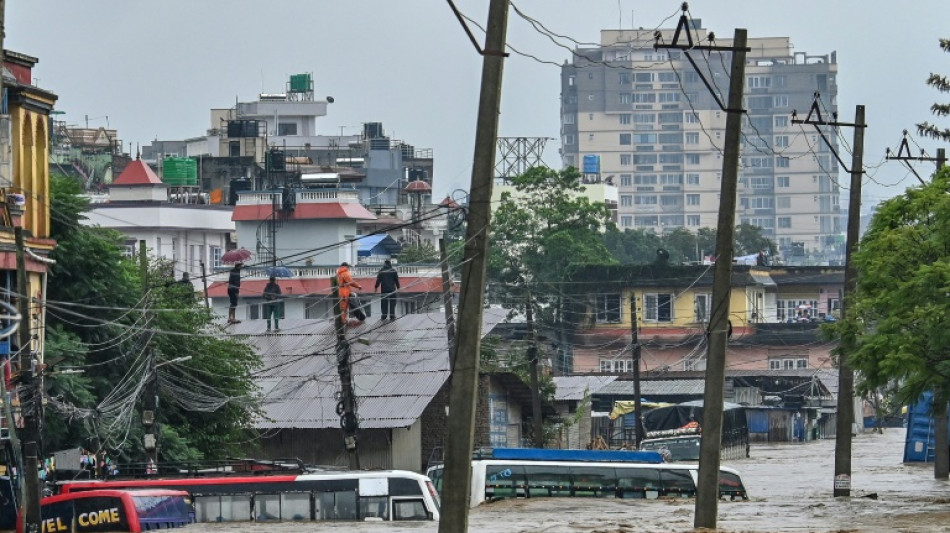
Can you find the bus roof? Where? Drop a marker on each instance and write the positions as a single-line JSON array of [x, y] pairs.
[[535, 454]]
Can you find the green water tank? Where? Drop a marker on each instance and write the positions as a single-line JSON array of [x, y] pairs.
[[180, 171], [300, 83]]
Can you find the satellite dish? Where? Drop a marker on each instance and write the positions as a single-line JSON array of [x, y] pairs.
[[329, 99]]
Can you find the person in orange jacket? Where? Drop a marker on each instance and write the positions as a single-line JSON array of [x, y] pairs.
[[345, 283]]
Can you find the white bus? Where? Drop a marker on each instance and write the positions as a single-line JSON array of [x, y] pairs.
[[375, 495], [580, 473]]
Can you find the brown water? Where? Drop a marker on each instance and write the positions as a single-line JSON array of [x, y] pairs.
[[790, 487]]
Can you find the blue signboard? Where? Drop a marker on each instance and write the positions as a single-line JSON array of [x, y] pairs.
[[592, 164]]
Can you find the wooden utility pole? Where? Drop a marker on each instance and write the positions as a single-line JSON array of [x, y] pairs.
[[31, 400], [447, 300], [463, 396], [347, 406], [537, 423], [204, 281], [707, 495], [845, 421], [635, 347]]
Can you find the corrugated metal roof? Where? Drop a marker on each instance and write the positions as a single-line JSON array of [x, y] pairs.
[[574, 387], [655, 387], [398, 367], [763, 279]]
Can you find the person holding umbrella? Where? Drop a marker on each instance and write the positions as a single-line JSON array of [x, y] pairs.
[[271, 295], [234, 289]]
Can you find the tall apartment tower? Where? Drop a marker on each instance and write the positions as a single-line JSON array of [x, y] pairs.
[[645, 118]]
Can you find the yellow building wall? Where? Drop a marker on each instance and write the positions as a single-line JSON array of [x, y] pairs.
[[684, 307], [31, 168]]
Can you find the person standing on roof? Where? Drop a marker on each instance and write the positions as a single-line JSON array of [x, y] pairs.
[[345, 285], [234, 289], [387, 283], [271, 306]]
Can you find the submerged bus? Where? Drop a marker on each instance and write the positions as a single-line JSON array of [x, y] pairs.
[[581, 473], [364, 495], [115, 510]]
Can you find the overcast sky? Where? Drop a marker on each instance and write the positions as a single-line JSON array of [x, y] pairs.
[[155, 69]]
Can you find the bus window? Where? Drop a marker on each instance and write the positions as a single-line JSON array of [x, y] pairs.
[[295, 506], [336, 505], [435, 474], [598, 481], [503, 481], [677, 483], [638, 482], [374, 507], [236, 508], [266, 507], [414, 509], [548, 480]]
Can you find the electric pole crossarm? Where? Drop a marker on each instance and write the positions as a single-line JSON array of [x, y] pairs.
[[825, 139], [904, 148], [713, 92]]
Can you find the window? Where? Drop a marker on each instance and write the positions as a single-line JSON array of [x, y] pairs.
[[644, 98], [626, 221], [781, 100], [626, 200], [571, 80], [413, 509], [568, 119], [692, 199], [234, 148], [626, 98], [645, 199], [626, 180], [782, 181], [658, 307], [781, 121], [666, 77], [759, 82], [215, 257], [625, 139], [783, 202], [645, 179], [692, 179], [760, 182], [644, 159], [691, 118], [692, 220], [788, 363], [692, 159], [781, 162], [624, 78], [644, 118], [671, 138], [759, 102], [703, 307], [616, 366], [669, 200], [644, 77], [669, 97], [781, 141], [645, 138], [671, 118], [287, 128], [626, 118], [784, 222], [569, 140], [607, 308], [692, 137], [626, 159]]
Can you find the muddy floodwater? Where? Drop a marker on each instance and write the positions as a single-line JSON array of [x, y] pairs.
[[790, 487]]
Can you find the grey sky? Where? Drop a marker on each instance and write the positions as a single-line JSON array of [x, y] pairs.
[[156, 68]]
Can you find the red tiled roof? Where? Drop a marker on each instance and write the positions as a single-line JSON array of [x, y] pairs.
[[137, 173], [304, 212], [302, 286]]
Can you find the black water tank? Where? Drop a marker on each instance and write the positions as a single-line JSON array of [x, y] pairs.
[[373, 130], [277, 161], [238, 185]]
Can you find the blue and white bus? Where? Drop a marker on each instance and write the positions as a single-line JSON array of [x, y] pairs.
[[533, 473]]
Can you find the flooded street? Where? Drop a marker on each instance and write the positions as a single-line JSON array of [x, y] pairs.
[[790, 486]]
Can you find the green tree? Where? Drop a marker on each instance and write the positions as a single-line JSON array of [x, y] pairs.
[[895, 333], [749, 240], [423, 252], [536, 231], [96, 324], [635, 246], [942, 84]]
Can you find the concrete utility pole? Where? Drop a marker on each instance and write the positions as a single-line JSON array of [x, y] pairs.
[[635, 347], [31, 400], [537, 423], [463, 396], [845, 421], [707, 495], [150, 410], [347, 406]]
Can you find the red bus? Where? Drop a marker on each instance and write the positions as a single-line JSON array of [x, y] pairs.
[[114, 510], [325, 496]]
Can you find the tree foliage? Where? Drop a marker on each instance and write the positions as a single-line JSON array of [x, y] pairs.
[[640, 246], [899, 313], [423, 252], [942, 84], [96, 323]]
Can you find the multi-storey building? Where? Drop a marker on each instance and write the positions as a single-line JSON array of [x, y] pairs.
[[645, 117]]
